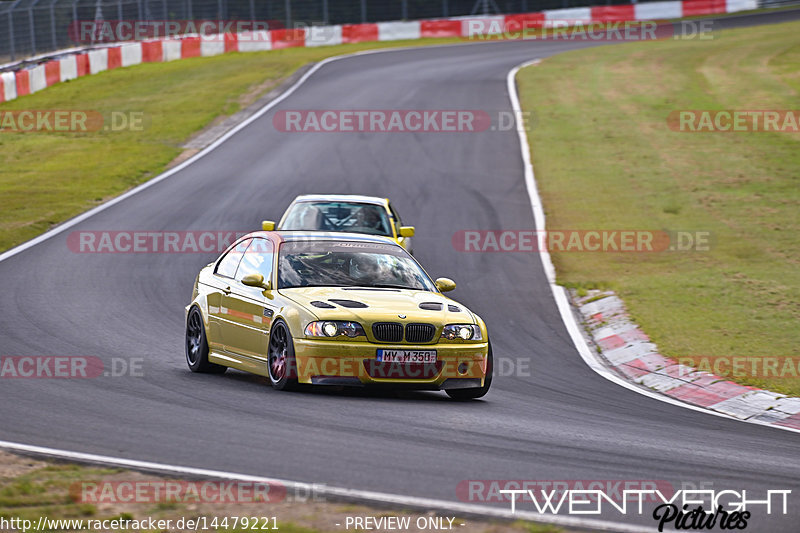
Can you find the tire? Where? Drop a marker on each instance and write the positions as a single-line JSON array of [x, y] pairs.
[[197, 345], [477, 392], [281, 364]]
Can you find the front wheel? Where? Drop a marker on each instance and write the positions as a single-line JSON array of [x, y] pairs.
[[281, 363], [197, 345], [477, 392]]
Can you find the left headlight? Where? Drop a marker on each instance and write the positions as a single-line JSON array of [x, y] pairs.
[[334, 328], [465, 332]]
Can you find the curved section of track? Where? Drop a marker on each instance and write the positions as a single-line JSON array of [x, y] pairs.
[[564, 422]]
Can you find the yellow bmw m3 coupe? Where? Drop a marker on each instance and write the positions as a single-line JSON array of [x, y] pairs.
[[334, 309], [344, 212]]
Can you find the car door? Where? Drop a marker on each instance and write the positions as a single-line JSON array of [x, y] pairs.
[[249, 311], [220, 285]]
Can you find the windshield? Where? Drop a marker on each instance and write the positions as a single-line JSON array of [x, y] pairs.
[[338, 216], [349, 264]]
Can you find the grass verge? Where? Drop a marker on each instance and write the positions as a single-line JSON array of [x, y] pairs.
[[605, 158], [32, 488]]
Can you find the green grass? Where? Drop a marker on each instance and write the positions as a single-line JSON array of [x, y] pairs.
[[48, 491], [47, 178], [604, 157]]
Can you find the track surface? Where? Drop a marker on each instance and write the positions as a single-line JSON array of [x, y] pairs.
[[562, 423]]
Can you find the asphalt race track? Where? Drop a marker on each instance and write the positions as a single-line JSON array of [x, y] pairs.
[[563, 422]]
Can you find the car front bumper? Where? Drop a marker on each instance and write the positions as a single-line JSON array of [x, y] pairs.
[[328, 362]]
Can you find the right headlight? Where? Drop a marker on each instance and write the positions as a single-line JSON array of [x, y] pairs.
[[334, 328], [465, 332]]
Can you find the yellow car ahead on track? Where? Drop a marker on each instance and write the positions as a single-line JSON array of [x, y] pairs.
[[334, 309], [344, 212]]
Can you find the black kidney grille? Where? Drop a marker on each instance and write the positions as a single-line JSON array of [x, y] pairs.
[[387, 331], [420, 333]]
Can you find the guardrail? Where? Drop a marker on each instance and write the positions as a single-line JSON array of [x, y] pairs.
[[32, 27], [34, 74]]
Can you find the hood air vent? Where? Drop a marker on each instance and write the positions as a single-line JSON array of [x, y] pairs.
[[352, 304]]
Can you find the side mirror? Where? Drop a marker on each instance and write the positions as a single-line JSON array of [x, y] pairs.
[[406, 231], [256, 280], [267, 225], [445, 284]]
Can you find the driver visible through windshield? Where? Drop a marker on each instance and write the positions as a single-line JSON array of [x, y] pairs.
[[349, 264], [338, 216]]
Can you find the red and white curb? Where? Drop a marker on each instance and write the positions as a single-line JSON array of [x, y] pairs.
[[630, 360], [71, 64], [629, 351]]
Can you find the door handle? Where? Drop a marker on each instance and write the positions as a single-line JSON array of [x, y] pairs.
[[227, 290]]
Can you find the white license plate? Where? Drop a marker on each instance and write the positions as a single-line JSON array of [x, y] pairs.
[[406, 356]]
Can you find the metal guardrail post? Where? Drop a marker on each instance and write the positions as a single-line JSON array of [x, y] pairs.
[[54, 39], [288, 14], [32, 30], [363, 11], [404, 10], [11, 34]]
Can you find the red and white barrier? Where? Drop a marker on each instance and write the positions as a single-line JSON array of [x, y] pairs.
[[732, 6], [398, 31], [68, 67], [566, 17], [212, 45], [171, 49], [98, 60], [38, 81], [254, 41], [658, 11], [359, 33], [131, 54], [475, 26], [9, 82], [324, 36], [22, 82]]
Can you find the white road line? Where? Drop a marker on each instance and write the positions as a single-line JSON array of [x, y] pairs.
[[560, 294], [334, 492]]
